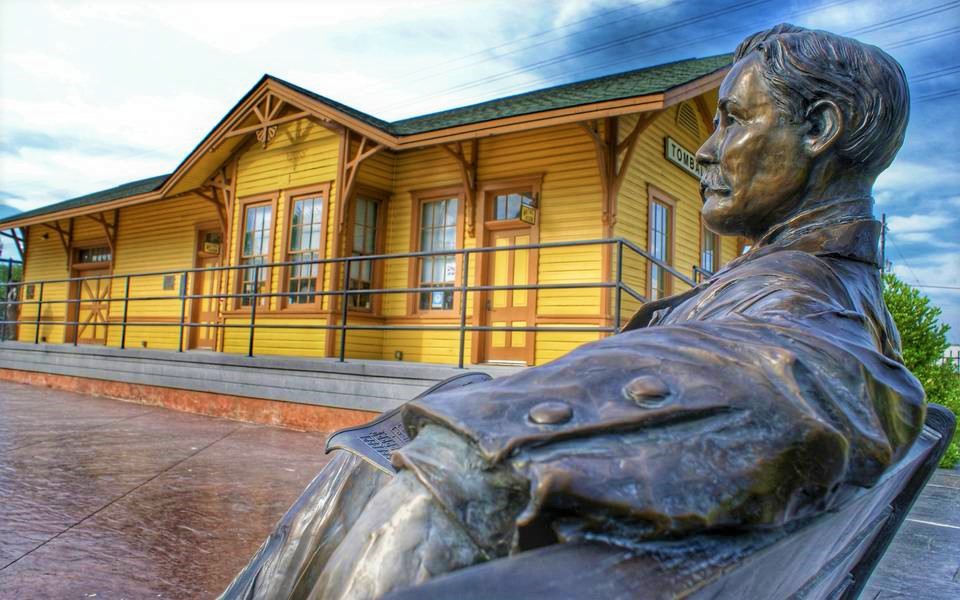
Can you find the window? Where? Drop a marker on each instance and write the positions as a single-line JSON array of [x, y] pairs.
[[660, 247], [93, 255], [305, 246], [255, 249], [506, 206], [709, 251], [366, 215], [438, 231]]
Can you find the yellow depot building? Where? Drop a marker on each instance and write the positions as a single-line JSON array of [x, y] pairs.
[[506, 232]]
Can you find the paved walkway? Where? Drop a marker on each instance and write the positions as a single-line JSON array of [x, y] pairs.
[[104, 499]]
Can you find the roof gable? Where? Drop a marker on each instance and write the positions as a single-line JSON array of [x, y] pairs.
[[226, 136]]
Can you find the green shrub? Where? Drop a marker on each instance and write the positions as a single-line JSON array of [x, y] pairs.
[[924, 338]]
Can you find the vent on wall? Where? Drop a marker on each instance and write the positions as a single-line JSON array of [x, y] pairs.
[[688, 119]]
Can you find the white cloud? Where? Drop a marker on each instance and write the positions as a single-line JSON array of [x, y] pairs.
[[904, 176], [844, 17], [27, 176], [238, 26], [47, 67], [164, 123], [906, 224]]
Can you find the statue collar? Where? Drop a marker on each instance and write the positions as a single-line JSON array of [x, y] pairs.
[[832, 230]]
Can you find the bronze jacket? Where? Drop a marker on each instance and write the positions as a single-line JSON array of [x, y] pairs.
[[760, 396]]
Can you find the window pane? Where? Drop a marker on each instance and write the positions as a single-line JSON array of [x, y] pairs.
[[452, 212], [513, 206]]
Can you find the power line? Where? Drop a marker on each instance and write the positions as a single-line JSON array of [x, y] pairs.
[[589, 50], [939, 287], [909, 268], [871, 28], [490, 49], [903, 18], [935, 74], [595, 70], [923, 38], [938, 95], [545, 42]]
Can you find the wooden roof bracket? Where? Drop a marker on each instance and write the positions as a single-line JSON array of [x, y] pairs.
[[65, 234], [109, 229], [266, 111], [468, 174], [349, 166], [613, 158], [218, 190]]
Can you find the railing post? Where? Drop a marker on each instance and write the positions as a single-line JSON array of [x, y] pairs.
[[343, 311], [76, 312], [36, 333], [617, 295], [183, 308], [463, 307], [253, 308], [126, 306]]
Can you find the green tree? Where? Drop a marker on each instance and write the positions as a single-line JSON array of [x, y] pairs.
[[924, 338]]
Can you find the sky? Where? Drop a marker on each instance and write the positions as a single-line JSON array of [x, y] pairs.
[[94, 94]]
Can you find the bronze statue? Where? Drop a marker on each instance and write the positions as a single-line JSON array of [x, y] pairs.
[[761, 396]]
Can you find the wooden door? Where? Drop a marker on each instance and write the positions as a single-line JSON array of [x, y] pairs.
[[93, 308], [204, 312], [509, 308]]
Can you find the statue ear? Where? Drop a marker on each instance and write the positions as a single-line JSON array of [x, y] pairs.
[[826, 126]]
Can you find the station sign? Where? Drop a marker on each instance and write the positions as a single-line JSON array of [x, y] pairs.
[[681, 157]]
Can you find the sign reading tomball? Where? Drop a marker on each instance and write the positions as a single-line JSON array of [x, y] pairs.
[[681, 157]]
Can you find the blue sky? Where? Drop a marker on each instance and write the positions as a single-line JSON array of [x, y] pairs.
[[93, 94]]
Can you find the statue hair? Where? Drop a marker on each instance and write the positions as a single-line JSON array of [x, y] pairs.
[[867, 84]]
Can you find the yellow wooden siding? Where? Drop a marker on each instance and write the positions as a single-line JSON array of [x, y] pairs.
[[302, 154], [570, 210], [650, 167], [151, 237], [158, 236], [46, 259]]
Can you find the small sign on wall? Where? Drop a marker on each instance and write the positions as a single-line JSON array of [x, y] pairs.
[[528, 214], [681, 157]]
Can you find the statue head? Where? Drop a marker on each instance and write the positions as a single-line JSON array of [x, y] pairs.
[[804, 118]]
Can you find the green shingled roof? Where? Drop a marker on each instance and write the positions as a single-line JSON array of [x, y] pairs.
[[639, 82], [115, 193], [650, 80]]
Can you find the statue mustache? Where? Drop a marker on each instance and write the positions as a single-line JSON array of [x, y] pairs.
[[713, 180]]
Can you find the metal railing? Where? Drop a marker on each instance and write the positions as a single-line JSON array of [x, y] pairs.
[[9, 295], [952, 360], [252, 299]]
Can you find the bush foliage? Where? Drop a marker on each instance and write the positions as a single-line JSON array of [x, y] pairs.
[[924, 339]]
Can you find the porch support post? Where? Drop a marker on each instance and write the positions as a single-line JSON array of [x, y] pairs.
[[348, 165], [613, 160]]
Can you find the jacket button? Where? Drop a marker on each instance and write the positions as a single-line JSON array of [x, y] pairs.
[[550, 413], [647, 391]]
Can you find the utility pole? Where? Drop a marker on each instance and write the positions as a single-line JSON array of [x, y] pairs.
[[883, 245]]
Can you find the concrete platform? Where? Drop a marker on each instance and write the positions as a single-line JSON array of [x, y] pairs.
[[106, 499], [358, 385]]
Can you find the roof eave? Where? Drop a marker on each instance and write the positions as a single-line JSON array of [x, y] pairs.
[[80, 211], [535, 120]]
